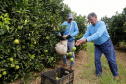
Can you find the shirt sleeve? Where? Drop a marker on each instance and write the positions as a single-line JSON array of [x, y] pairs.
[[87, 34], [76, 30], [101, 29]]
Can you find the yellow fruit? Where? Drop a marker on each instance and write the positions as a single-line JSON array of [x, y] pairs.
[[16, 41], [73, 49], [17, 67], [70, 53], [11, 59], [45, 51], [47, 37], [12, 65], [20, 27], [71, 59], [34, 42], [0, 75], [57, 78], [4, 73], [67, 54]]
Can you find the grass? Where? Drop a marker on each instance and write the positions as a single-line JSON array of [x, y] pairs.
[[106, 77]]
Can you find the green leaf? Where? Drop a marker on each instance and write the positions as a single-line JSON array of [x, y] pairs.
[[19, 11], [1, 23], [1, 46], [7, 28], [6, 14], [7, 22]]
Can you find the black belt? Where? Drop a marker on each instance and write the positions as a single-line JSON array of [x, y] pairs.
[[106, 41]]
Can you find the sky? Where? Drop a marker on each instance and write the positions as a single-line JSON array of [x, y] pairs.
[[100, 7]]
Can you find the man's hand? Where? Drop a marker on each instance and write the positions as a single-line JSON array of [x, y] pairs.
[[78, 42], [68, 37], [81, 42]]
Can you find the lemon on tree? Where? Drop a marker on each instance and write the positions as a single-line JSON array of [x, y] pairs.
[[73, 49], [20, 27], [0, 75], [57, 78], [11, 59], [17, 67], [4, 73], [34, 42], [71, 59], [12, 65], [45, 51], [47, 37], [16, 41]]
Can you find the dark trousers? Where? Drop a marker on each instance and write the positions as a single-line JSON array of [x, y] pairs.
[[109, 52]]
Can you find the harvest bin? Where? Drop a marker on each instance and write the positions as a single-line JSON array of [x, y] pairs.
[[65, 76]]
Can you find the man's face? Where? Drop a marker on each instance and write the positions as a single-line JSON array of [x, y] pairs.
[[69, 20], [93, 20]]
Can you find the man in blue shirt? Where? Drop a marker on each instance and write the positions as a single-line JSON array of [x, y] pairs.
[[71, 31], [97, 32]]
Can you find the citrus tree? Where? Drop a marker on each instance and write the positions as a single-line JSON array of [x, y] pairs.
[[28, 36], [116, 26]]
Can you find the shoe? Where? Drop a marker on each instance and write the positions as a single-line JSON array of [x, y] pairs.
[[71, 68], [95, 77], [116, 78]]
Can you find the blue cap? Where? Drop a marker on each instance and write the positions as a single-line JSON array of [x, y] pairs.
[[70, 16]]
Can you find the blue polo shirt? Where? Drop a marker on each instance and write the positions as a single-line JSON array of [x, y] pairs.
[[74, 30], [97, 33]]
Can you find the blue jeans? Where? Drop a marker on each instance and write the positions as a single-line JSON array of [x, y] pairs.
[[109, 52], [70, 45]]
